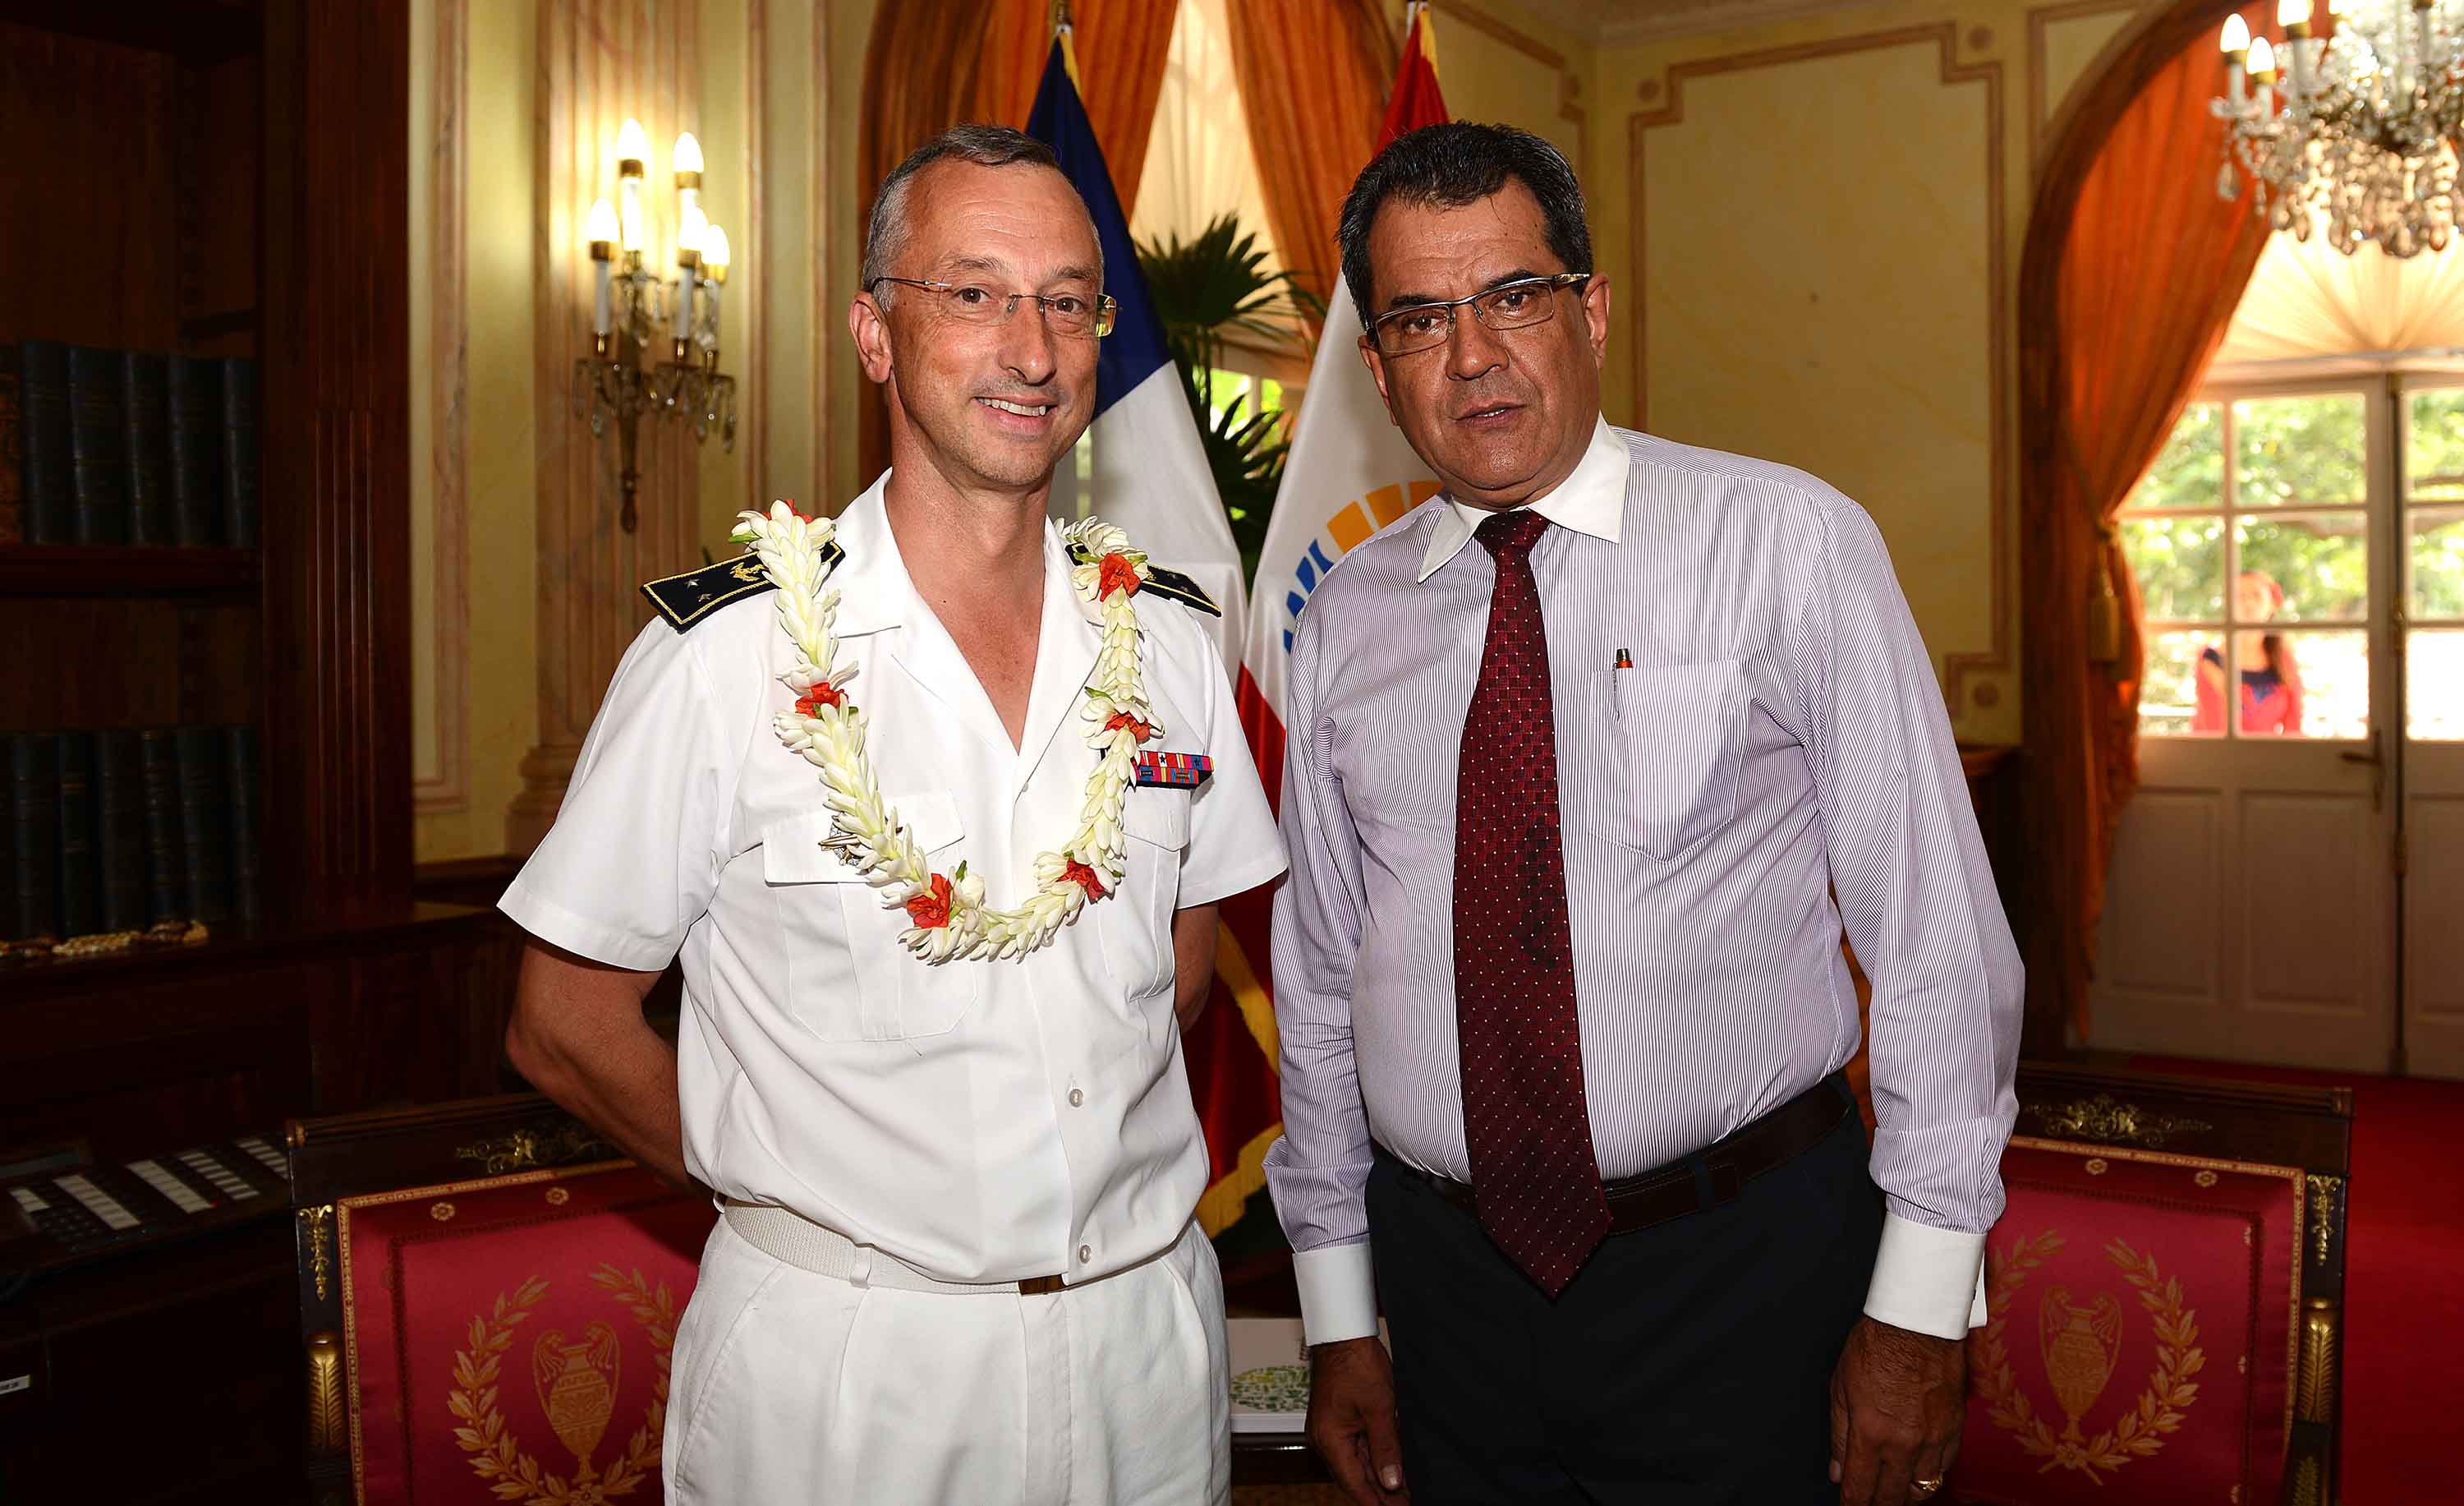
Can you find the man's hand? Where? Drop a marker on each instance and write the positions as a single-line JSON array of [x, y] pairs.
[[1351, 1419], [1897, 1402]]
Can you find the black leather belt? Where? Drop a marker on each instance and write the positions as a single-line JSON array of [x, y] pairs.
[[1716, 1174]]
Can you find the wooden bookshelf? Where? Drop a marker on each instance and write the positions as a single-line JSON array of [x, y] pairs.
[[228, 178]]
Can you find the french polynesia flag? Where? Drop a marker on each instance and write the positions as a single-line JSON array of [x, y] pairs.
[[1350, 474], [1151, 474]]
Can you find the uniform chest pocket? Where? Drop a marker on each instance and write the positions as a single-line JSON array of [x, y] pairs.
[[1136, 923], [849, 977], [1666, 742]]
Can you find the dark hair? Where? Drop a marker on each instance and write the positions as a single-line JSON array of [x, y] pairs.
[[885, 233], [1454, 165]]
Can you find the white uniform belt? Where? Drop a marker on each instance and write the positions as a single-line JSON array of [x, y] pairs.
[[807, 1246]]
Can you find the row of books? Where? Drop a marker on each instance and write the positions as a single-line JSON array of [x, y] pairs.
[[125, 447], [120, 829]]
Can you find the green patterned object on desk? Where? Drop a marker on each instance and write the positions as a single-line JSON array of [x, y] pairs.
[[1272, 1388]]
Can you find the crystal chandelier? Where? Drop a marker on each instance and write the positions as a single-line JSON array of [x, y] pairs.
[[2349, 128]]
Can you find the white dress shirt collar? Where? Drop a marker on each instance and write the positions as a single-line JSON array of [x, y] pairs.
[[1590, 500], [876, 590]]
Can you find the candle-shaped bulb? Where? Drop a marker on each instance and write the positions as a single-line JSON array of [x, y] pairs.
[[599, 228], [689, 233], [2237, 34], [2293, 12], [2262, 60], [632, 148], [714, 253], [688, 155]]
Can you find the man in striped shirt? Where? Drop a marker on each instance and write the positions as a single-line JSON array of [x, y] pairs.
[[1581, 751]]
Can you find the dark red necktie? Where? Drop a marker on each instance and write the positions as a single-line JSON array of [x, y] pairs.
[[1528, 1132]]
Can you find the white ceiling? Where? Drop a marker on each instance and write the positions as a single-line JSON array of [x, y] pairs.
[[1621, 22]]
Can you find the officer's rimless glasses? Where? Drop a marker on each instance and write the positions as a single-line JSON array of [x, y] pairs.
[[1518, 304], [1064, 313]]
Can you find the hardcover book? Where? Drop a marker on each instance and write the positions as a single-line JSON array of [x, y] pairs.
[[79, 898], [196, 450], [239, 768], [98, 446], [33, 835], [43, 438], [146, 388], [120, 831], [166, 877], [205, 823], [13, 455], [240, 451]]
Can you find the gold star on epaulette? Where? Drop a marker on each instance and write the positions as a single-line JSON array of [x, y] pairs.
[[685, 600]]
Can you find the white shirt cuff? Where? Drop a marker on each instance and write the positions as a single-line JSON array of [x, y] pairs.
[[1339, 1292], [1926, 1280]]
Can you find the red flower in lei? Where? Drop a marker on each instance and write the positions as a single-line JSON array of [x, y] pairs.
[[1118, 574], [1122, 718], [821, 694], [1083, 877], [932, 911]]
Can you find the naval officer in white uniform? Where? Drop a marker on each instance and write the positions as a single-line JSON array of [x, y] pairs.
[[957, 1262]]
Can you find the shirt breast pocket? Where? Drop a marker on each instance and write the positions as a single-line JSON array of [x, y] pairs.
[[829, 916], [1136, 922], [1666, 742]]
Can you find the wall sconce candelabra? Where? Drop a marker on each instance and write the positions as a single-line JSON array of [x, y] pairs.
[[633, 308]]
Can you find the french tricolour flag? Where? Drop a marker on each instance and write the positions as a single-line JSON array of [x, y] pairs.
[[1151, 474]]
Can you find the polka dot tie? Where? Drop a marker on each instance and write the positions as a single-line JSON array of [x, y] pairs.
[[1534, 1180]]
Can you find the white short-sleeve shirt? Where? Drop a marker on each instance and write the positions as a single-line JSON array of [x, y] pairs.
[[980, 1120]]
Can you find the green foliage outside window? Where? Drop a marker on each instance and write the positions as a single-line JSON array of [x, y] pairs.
[[2300, 452], [2189, 471]]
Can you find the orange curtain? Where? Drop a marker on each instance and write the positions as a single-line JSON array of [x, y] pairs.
[[929, 66], [2126, 294], [1314, 78]]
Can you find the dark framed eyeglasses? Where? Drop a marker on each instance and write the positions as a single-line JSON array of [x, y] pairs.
[[1518, 304], [1064, 313]]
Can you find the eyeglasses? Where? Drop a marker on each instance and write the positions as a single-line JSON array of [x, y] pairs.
[[1510, 306], [1064, 313]]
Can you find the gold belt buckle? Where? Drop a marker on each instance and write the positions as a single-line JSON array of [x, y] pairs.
[[1039, 1286]]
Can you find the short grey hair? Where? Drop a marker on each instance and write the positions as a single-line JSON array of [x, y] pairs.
[[885, 235]]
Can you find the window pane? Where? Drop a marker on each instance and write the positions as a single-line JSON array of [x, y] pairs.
[[2311, 568], [2169, 697], [2434, 451], [2439, 562], [2433, 682], [2295, 451], [2303, 684], [2180, 563], [2189, 471]]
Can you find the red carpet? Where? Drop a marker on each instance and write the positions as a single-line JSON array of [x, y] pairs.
[[2404, 1304]]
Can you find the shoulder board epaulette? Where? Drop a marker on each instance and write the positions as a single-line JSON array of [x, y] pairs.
[[686, 599], [1164, 582], [1181, 589]]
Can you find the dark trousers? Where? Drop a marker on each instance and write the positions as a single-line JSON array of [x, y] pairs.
[[1689, 1363]]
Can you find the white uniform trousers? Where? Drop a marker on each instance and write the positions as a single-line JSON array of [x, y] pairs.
[[793, 1387]]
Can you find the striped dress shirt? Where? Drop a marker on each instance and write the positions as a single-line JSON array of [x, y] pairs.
[[1779, 739]]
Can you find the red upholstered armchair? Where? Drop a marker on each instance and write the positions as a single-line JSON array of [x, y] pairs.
[[488, 1298], [2164, 1293]]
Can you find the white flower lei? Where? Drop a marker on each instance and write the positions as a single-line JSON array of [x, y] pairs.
[[829, 731]]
